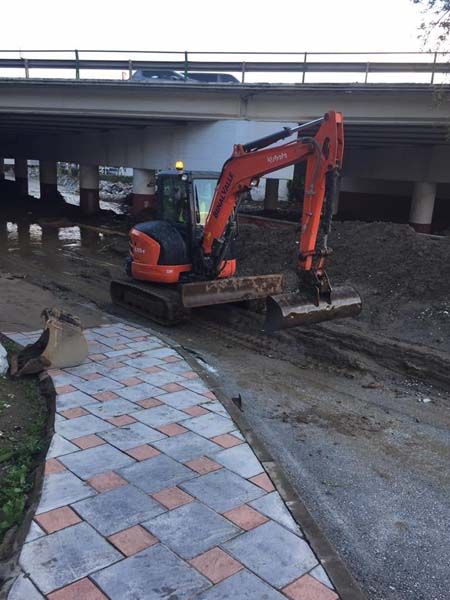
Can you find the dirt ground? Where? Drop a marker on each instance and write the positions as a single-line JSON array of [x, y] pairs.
[[402, 277]]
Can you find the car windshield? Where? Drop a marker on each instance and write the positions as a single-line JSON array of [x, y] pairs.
[[204, 190]]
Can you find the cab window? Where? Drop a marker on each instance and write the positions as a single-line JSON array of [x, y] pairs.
[[204, 190]]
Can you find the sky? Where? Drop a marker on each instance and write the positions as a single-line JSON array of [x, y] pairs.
[[202, 25]]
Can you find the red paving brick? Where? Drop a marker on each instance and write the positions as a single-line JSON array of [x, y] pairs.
[[106, 481], [131, 381], [132, 540], [226, 440], [263, 481], [142, 452], [210, 395], [245, 517], [105, 396], [73, 413], [171, 358], [308, 588], [121, 421], [65, 389], [53, 466], [88, 441], [92, 376], [149, 403], [190, 375], [57, 519], [203, 465], [97, 357], [172, 429], [80, 590], [152, 369], [172, 387], [196, 411], [216, 565], [172, 497]]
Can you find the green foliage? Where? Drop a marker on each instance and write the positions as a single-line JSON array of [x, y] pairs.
[[435, 26]]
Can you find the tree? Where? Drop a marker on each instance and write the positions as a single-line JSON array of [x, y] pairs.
[[435, 26]]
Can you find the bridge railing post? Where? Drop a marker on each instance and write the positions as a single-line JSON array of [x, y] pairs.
[[433, 68], [186, 65], [130, 69], [367, 72], [305, 58], [77, 65], [243, 72], [27, 70]]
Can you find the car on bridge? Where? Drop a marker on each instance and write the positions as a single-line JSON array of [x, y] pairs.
[[150, 75]]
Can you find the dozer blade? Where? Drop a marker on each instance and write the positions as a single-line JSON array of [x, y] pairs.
[[290, 310], [232, 289]]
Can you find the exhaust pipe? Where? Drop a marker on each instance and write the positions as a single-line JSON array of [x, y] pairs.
[[291, 310]]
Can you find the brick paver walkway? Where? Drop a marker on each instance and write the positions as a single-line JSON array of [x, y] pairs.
[[151, 492]]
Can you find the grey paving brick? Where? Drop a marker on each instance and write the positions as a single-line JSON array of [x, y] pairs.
[[131, 436], [156, 473], [97, 348], [187, 446], [161, 352], [118, 509], [23, 589], [112, 408], [102, 384], [65, 556], [320, 574], [66, 379], [134, 333], [60, 446], [176, 367], [114, 341], [191, 529], [142, 391], [153, 574], [34, 532], [119, 353], [82, 370], [222, 490], [273, 553], [273, 507], [160, 415], [196, 385], [142, 362], [121, 373], [72, 400], [181, 399], [237, 434], [73, 428], [240, 459], [60, 489], [210, 425], [241, 586], [143, 346], [161, 378], [216, 407], [93, 461]]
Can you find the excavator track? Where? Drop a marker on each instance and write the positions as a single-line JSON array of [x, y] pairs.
[[158, 303]]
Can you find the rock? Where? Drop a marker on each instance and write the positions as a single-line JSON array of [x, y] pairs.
[[4, 366]]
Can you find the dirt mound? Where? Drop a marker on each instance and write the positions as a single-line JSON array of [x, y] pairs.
[[403, 277]]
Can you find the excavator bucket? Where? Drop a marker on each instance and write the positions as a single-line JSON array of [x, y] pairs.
[[232, 289], [291, 310], [61, 344]]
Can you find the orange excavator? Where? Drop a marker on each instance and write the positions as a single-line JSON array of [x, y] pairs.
[[185, 258]]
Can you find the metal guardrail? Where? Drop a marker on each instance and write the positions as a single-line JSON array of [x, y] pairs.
[[435, 62]]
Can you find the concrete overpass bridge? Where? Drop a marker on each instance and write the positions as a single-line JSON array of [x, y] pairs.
[[395, 132]]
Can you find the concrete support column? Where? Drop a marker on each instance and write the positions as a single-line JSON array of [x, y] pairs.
[[143, 190], [422, 206], [48, 179], [21, 175], [2, 169], [89, 196], [271, 195]]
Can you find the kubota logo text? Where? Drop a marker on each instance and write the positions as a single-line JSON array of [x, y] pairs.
[[222, 195], [277, 157]]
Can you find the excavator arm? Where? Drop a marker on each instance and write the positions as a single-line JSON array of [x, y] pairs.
[[249, 162]]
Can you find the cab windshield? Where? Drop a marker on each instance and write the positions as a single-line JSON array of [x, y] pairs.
[[204, 191], [174, 198]]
